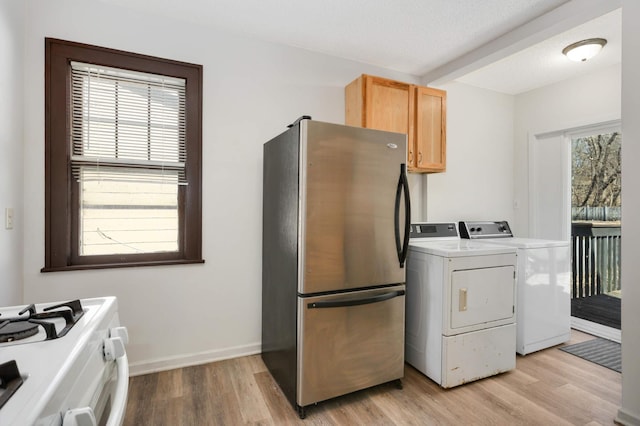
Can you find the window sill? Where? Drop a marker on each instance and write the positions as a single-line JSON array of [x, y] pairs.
[[121, 265]]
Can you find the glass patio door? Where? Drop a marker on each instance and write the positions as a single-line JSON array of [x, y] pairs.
[[575, 195], [596, 196]]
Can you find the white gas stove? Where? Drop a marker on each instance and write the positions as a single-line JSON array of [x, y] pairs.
[[63, 364]]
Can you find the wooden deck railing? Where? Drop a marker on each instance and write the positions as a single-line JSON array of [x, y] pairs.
[[595, 258]]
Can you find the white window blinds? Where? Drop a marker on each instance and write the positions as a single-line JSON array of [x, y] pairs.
[[127, 125]]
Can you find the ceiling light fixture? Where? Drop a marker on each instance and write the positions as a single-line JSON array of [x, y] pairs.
[[585, 49]]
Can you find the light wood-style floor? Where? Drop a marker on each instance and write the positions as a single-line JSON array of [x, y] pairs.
[[550, 387]]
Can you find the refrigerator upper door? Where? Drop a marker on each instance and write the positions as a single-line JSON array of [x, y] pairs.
[[350, 179]]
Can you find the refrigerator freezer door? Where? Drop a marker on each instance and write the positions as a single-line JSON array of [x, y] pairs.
[[349, 181], [349, 341]]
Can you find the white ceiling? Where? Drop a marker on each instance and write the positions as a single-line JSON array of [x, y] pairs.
[[543, 63], [411, 36]]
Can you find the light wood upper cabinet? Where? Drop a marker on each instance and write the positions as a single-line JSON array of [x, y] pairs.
[[383, 104], [430, 129]]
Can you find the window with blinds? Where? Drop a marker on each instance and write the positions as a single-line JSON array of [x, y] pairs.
[[123, 158], [128, 156], [127, 120]]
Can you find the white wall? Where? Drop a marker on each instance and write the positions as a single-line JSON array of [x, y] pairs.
[[630, 411], [12, 14], [477, 184], [252, 90], [585, 100]]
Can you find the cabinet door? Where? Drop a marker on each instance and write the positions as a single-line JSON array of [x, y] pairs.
[[388, 106], [430, 130]]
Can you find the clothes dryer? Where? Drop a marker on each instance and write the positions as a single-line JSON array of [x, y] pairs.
[[460, 306], [544, 284]]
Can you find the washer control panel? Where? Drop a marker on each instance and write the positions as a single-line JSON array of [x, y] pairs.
[[484, 229]]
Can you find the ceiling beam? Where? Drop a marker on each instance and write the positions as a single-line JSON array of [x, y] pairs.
[[554, 22]]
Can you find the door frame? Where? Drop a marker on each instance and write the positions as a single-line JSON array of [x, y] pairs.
[[565, 136]]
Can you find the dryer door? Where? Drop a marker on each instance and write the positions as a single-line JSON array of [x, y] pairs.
[[482, 298]]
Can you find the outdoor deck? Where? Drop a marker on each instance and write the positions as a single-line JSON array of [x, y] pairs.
[[602, 309], [596, 272]]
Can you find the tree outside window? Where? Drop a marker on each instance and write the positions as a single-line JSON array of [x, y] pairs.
[[596, 182]]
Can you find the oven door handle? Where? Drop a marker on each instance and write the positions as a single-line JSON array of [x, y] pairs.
[[342, 303], [119, 406], [403, 187]]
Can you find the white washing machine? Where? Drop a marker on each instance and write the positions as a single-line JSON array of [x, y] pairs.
[[544, 284], [460, 306]]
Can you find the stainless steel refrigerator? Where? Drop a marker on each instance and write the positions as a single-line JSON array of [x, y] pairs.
[[336, 217]]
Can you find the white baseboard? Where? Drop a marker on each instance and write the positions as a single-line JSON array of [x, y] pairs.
[[627, 419], [596, 329], [187, 360]]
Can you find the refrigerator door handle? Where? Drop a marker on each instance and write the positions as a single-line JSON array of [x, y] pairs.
[[341, 303], [403, 186]]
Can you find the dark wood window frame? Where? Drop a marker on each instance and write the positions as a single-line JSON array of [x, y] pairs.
[[61, 189]]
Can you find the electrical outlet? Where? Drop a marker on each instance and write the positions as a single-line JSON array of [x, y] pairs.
[[8, 218]]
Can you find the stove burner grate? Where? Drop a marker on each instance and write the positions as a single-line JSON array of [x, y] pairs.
[[24, 326], [10, 331], [10, 380]]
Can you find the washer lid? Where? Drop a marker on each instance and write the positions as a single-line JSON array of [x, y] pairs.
[[526, 242], [459, 248]]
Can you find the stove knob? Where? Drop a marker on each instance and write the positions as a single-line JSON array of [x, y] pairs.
[[113, 348], [120, 332], [79, 417]]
